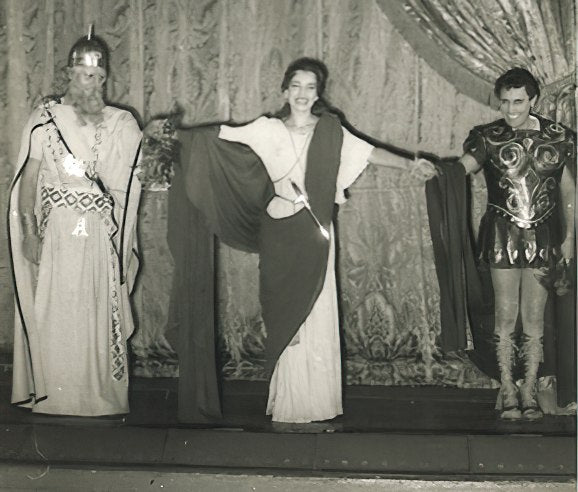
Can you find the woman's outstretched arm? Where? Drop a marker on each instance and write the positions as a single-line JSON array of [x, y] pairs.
[[418, 167], [382, 157]]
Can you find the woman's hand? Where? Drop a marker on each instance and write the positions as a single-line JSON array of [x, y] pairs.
[[422, 170]]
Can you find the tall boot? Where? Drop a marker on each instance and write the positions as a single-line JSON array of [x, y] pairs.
[[508, 395], [532, 352]]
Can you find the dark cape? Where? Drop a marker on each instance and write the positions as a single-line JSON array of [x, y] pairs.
[[466, 294], [222, 188]]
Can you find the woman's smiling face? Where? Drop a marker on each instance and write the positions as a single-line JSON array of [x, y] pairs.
[[302, 91]]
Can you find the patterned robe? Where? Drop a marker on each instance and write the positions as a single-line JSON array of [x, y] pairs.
[[73, 316]]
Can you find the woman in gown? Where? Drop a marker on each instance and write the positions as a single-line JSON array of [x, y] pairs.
[[306, 367]]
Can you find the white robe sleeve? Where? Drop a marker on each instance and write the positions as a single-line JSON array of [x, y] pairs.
[[253, 134], [354, 159]]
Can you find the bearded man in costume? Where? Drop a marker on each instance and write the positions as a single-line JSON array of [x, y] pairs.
[[72, 222], [527, 235]]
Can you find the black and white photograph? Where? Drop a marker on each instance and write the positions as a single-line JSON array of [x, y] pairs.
[[288, 245]]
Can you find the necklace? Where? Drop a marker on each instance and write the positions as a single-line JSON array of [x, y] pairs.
[[301, 129], [298, 155]]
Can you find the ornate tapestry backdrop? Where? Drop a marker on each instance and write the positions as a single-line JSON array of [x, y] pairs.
[[221, 60]]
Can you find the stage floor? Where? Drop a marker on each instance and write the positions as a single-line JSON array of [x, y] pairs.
[[428, 409], [421, 431]]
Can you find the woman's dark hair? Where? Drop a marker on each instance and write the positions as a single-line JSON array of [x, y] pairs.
[[307, 65], [315, 66], [516, 78]]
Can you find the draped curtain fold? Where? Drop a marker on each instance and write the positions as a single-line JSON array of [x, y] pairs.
[[488, 37]]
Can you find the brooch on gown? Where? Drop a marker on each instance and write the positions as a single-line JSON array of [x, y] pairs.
[[72, 166]]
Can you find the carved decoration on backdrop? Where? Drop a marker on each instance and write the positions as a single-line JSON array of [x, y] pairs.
[[205, 55]]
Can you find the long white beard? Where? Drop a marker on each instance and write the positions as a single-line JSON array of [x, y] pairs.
[[88, 102]]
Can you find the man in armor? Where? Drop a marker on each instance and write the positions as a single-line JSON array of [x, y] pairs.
[[527, 233]]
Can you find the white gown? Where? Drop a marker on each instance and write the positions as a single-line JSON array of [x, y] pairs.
[[306, 382], [72, 358]]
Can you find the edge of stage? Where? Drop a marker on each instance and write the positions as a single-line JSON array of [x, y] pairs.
[[426, 431]]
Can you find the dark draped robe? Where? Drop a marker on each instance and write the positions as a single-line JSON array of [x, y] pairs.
[[222, 188]]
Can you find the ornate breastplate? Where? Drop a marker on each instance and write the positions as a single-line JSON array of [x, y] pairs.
[[523, 170]]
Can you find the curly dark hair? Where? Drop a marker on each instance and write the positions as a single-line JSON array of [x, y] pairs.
[[516, 78]]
